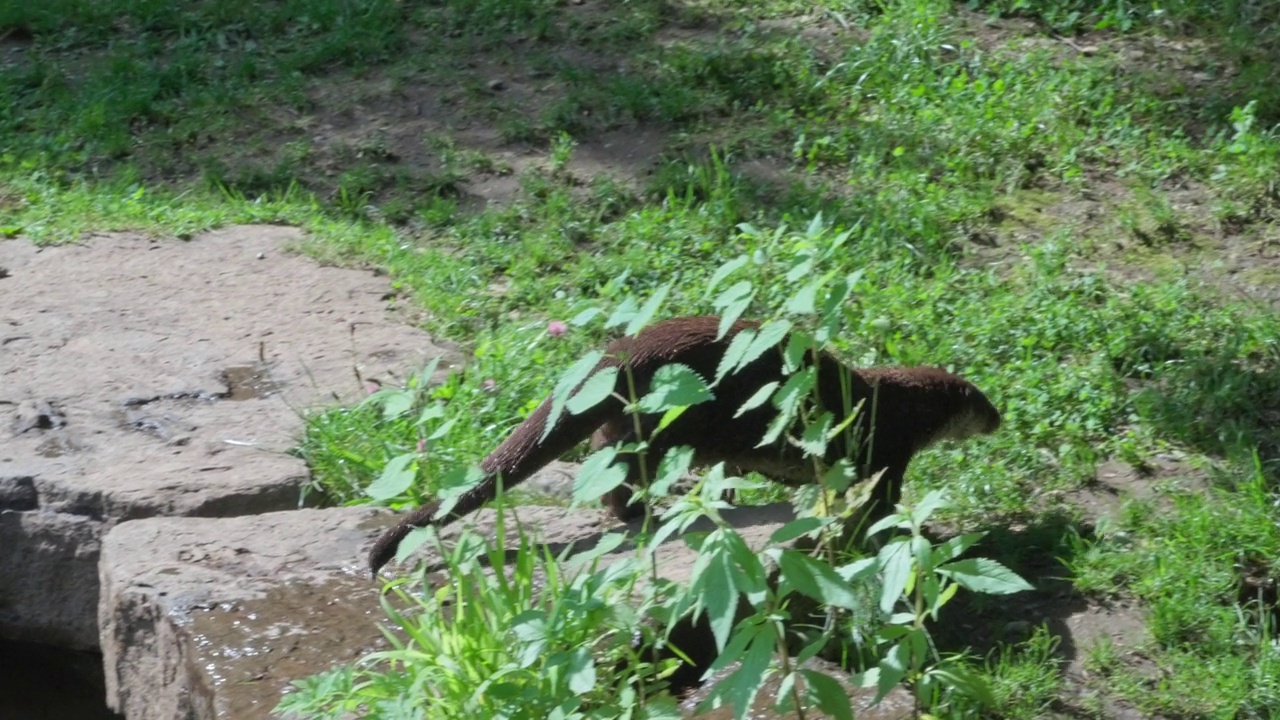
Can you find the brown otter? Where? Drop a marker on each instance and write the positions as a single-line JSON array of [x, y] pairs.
[[913, 408]]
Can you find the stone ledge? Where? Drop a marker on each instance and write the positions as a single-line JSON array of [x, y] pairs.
[[212, 617]]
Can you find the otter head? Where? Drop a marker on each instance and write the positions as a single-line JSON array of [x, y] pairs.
[[972, 413], [944, 406]]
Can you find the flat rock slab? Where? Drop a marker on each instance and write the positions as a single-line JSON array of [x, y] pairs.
[[212, 618], [143, 377]]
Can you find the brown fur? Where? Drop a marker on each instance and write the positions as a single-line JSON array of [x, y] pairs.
[[913, 408]]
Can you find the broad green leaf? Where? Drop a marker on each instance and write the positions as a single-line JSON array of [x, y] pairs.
[[732, 303], [424, 377], [796, 528], [585, 317], [777, 426], [442, 430], [799, 343], [598, 476], [722, 272], [569, 382], [930, 503], [434, 411], [800, 270], [740, 688], [931, 587], [816, 228], [784, 701], [921, 551], [530, 628], [413, 541], [582, 671], [594, 391], [839, 476], [954, 548], [828, 694], [623, 313], [675, 463], [669, 416], [768, 337], [795, 391], [943, 598], [894, 667], [396, 477], [816, 579], [832, 306], [396, 403], [456, 482], [758, 398], [814, 440], [884, 523], [788, 399], [802, 303], [810, 650], [607, 544], [718, 590], [985, 576], [746, 566], [896, 564], [460, 479], [648, 310], [674, 385], [733, 354], [858, 570], [660, 707]]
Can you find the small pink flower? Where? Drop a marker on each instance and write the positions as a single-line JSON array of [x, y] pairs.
[[489, 385], [556, 328], [422, 445], [371, 388]]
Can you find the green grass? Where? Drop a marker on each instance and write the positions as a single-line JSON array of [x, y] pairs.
[[957, 150]]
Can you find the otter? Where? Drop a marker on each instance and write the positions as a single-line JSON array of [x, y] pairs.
[[909, 409]]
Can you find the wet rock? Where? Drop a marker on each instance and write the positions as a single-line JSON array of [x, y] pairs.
[[204, 618], [163, 378], [207, 618]]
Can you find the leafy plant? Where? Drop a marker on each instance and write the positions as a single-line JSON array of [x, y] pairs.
[[923, 578]]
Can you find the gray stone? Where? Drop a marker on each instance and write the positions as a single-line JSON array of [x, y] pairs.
[[49, 566], [149, 378], [212, 617]]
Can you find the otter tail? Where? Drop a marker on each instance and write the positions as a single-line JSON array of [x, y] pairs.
[[521, 455]]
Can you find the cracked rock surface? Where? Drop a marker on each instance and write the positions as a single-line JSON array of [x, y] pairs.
[[143, 378], [213, 617]]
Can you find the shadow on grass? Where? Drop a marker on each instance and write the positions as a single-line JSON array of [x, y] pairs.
[[979, 624], [1221, 406]]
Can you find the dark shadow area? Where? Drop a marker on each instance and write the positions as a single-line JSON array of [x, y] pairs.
[[978, 624], [40, 682], [1222, 405]]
